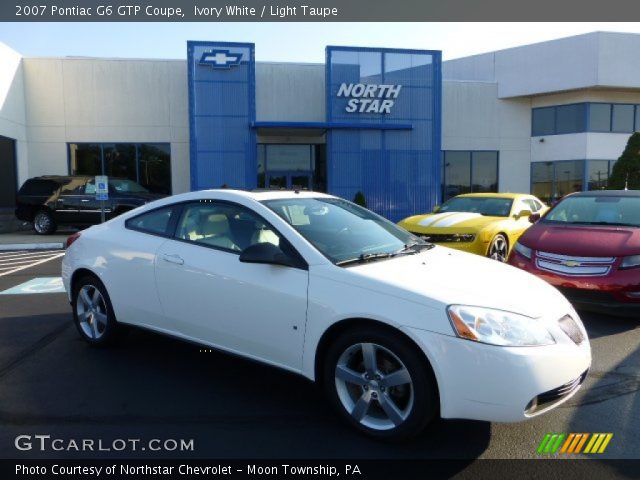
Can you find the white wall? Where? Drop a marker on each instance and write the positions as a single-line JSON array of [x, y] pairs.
[[12, 108], [475, 119], [598, 59], [290, 92], [72, 100]]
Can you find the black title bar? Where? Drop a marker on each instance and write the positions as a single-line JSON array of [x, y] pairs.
[[315, 10]]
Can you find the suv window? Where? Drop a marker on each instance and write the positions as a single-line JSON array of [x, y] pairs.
[[155, 222], [225, 226], [39, 187], [75, 186]]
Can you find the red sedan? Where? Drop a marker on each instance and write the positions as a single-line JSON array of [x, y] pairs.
[[588, 246]]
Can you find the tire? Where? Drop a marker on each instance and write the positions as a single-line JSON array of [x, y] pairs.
[[364, 396], [93, 313], [44, 223], [499, 248]]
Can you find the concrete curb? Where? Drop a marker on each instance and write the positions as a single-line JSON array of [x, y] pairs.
[[31, 246]]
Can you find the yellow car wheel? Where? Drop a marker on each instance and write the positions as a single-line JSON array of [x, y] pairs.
[[499, 248]]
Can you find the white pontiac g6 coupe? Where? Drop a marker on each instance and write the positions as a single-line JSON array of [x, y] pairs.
[[394, 329]]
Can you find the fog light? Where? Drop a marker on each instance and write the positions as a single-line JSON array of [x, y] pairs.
[[635, 295]]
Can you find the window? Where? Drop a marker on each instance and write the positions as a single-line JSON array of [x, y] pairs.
[[622, 118], [543, 121], [225, 226], [602, 117], [155, 222], [599, 117], [570, 118], [542, 180], [531, 204], [148, 164], [597, 174], [467, 171], [340, 230], [552, 180], [74, 187]]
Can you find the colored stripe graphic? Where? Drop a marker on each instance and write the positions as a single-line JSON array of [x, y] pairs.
[[551, 442], [573, 443], [598, 443]]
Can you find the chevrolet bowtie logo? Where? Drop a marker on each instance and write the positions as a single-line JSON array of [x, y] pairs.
[[571, 263], [220, 59]]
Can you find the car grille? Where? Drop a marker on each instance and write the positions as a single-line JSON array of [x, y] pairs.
[[570, 266], [571, 328], [551, 397], [447, 237]]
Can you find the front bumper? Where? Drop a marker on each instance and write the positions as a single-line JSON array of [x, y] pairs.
[[503, 384], [617, 293]]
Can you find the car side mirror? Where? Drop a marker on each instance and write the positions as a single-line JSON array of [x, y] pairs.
[[436, 209], [534, 217], [523, 213], [266, 253]]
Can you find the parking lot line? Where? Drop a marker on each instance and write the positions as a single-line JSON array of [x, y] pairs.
[[33, 264], [30, 253]]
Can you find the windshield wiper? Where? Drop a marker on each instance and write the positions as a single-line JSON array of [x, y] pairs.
[[415, 247], [366, 257]]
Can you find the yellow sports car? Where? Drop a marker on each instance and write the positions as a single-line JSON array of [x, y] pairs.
[[483, 223]]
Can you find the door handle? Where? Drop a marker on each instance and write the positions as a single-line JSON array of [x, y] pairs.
[[177, 259], [84, 200]]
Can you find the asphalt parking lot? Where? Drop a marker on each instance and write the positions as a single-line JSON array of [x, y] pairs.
[[149, 386]]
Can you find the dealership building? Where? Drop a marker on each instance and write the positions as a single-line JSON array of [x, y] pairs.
[[401, 126]]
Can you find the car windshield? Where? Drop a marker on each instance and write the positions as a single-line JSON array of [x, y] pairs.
[[344, 232], [597, 210], [127, 186], [488, 206]]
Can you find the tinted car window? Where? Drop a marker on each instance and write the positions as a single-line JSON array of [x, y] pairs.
[[489, 206], [75, 186], [126, 186], [605, 210], [341, 230], [156, 222], [39, 187]]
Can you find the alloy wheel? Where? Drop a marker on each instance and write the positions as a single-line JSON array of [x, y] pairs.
[[42, 222], [91, 310], [499, 249], [374, 386]]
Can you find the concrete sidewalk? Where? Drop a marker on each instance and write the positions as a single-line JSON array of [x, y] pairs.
[[30, 240]]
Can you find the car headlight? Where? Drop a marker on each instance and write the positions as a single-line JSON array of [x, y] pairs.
[[523, 250], [632, 261], [497, 327]]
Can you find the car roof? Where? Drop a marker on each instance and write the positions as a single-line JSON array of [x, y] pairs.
[[257, 195], [608, 193], [495, 195]]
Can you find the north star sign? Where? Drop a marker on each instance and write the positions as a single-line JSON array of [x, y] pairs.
[[369, 98]]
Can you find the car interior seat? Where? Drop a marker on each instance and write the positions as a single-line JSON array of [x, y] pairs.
[[215, 231]]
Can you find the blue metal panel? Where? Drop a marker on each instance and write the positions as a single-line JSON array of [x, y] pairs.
[[398, 170], [221, 111], [335, 125]]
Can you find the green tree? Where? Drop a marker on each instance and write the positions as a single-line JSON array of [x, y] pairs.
[[627, 169], [360, 200]]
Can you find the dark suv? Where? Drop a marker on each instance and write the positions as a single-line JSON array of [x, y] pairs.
[[50, 201]]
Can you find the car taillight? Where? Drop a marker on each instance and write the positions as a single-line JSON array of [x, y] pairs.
[[72, 239]]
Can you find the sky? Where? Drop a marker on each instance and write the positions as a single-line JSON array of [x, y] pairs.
[[288, 42]]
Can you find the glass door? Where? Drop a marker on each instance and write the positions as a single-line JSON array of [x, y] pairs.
[[289, 166]]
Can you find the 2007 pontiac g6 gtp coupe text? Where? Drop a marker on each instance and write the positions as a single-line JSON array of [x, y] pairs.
[[394, 329]]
